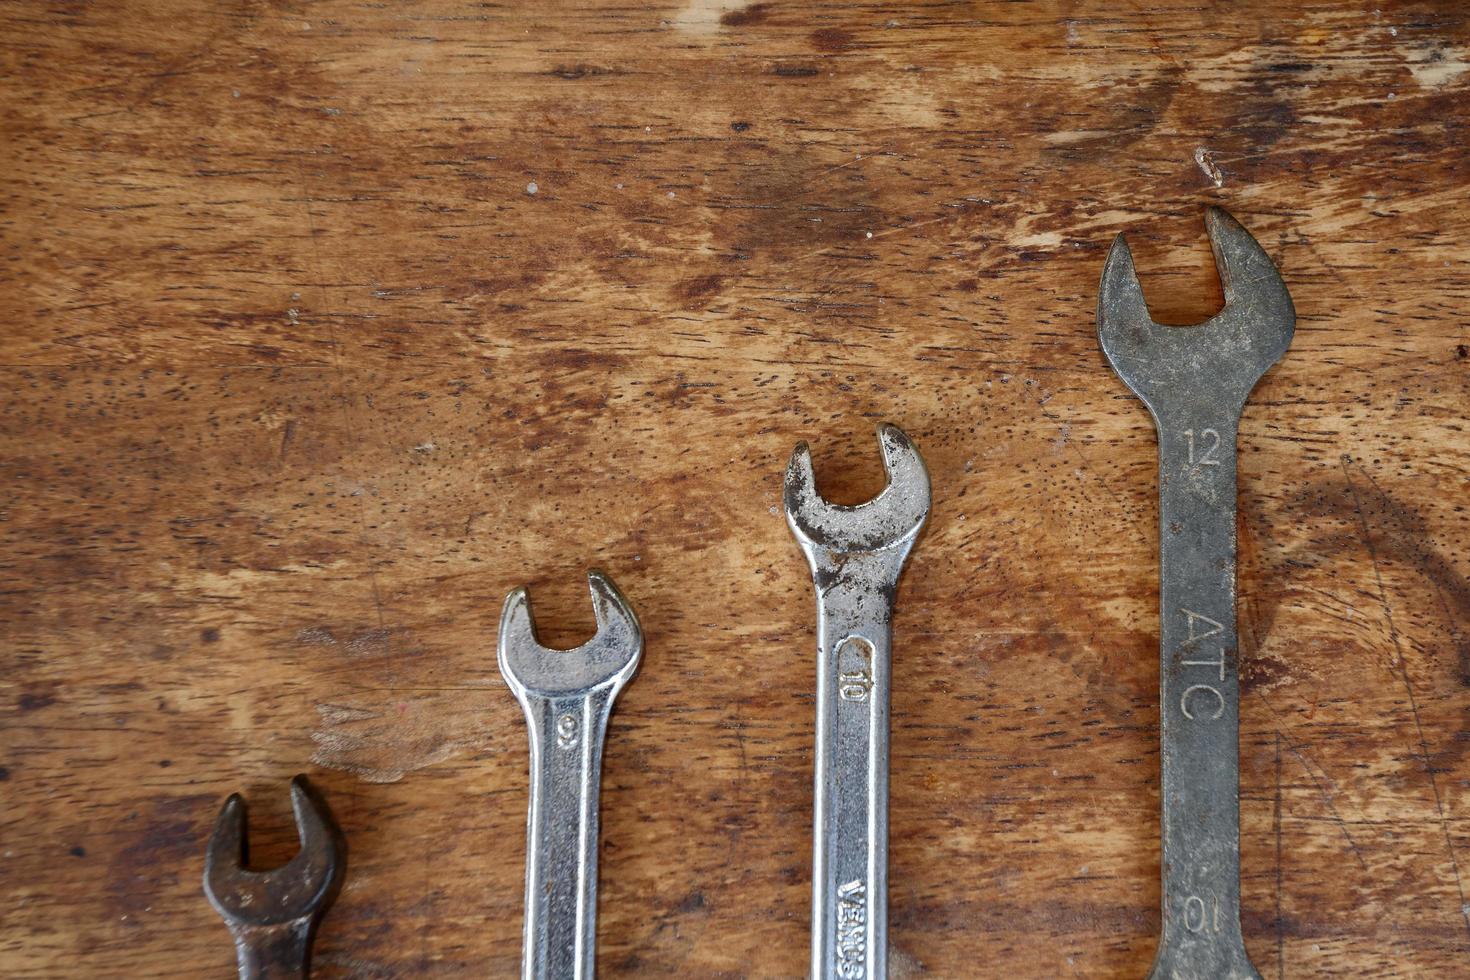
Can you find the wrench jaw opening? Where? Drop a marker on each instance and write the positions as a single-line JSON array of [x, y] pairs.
[[1221, 358], [273, 914], [608, 661], [890, 522]]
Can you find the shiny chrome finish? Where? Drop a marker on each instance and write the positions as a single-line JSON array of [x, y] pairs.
[[856, 556], [567, 696]]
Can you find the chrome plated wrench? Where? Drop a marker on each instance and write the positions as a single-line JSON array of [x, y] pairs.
[[567, 696], [856, 556], [1195, 381]]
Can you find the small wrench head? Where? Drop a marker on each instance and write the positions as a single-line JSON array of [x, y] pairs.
[[891, 519], [301, 889], [1218, 360], [609, 659]]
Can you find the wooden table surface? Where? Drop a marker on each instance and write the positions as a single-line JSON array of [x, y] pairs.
[[329, 323]]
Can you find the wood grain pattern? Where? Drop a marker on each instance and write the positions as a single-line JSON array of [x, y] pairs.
[[329, 323]]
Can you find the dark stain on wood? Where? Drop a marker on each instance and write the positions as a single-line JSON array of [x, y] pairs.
[[756, 13]]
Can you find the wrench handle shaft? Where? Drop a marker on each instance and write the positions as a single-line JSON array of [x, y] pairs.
[[850, 850], [1199, 693], [274, 952], [561, 835]]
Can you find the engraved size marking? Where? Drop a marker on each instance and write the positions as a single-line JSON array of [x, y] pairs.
[[1197, 917], [566, 730], [855, 676], [852, 930], [1209, 443]]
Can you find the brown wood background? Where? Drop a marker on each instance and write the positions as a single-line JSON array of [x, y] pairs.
[[328, 323]]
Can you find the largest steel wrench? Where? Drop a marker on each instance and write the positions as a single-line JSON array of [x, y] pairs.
[[1195, 381], [856, 555]]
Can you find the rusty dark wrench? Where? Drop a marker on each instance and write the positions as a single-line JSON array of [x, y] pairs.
[[856, 555], [273, 915], [1195, 381], [567, 696]]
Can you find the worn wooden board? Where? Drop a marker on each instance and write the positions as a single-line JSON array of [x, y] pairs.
[[329, 323]]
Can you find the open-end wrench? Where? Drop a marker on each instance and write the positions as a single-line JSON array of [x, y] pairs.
[[1195, 381], [856, 555], [273, 915], [567, 696]]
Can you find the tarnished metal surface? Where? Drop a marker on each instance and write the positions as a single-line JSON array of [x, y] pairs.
[[567, 696], [856, 556], [273, 915], [1195, 381]]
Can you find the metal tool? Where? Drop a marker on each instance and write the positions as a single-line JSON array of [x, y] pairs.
[[1195, 381], [273, 915], [856, 556], [567, 696]]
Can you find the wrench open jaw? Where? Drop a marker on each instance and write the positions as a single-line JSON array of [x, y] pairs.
[[1220, 359], [567, 697], [893, 519], [273, 914], [610, 658]]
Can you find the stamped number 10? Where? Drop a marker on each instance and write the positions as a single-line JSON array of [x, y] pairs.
[[1200, 917]]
